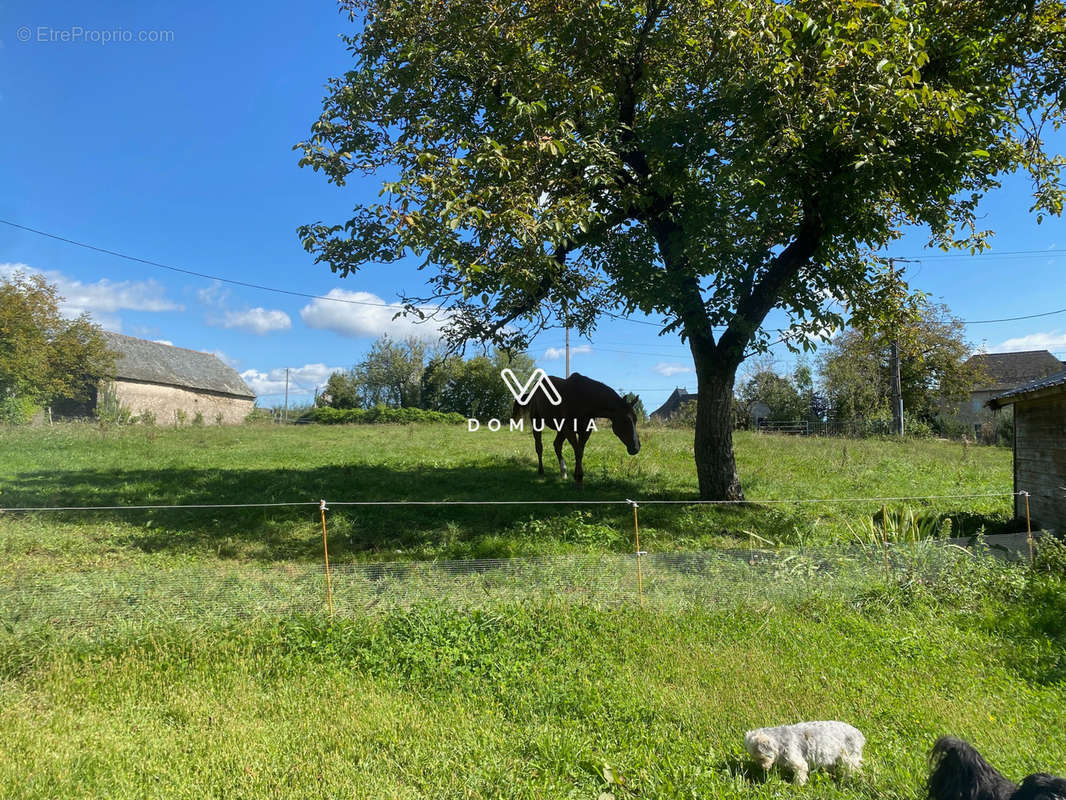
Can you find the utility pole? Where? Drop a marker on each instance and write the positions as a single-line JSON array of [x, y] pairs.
[[567, 373], [285, 416], [566, 322]]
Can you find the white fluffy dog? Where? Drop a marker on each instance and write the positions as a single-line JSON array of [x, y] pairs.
[[806, 746]]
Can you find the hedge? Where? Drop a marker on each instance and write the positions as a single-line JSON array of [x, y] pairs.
[[380, 414]]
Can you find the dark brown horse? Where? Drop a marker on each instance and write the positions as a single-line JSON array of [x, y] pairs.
[[583, 401]]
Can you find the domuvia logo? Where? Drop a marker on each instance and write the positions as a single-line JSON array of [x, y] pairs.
[[523, 394]]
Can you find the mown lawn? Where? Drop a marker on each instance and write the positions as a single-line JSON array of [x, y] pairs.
[[548, 697]]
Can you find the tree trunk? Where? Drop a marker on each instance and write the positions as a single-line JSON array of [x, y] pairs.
[[716, 467]]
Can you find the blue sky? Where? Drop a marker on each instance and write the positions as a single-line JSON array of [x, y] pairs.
[[177, 149]]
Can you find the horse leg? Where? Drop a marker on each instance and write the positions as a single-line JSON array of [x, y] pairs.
[[578, 443], [560, 437], [540, 451]]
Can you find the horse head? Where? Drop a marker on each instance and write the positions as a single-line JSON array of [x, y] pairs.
[[624, 426]]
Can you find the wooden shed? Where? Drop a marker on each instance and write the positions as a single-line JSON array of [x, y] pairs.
[[1040, 448]]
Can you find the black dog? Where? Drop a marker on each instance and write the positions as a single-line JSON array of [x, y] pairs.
[[959, 773]]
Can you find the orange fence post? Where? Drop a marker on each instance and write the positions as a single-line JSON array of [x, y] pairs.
[[325, 552]]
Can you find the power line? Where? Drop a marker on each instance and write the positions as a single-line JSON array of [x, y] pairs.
[[989, 254], [184, 271], [293, 293]]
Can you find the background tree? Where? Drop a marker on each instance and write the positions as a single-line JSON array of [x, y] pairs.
[[44, 357], [472, 387], [341, 391], [934, 375], [638, 405], [391, 373], [780, 394], [704, 161]]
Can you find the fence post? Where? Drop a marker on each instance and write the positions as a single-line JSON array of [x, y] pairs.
[[1028, 528], [639, 552], [325, 552], [884, 540]]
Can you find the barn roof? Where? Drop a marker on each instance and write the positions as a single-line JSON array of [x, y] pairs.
[[1052, 384], [1003, 371], [677, 398], [154, 362]]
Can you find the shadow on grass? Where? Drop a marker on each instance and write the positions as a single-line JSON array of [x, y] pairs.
[[456, 531], [741, 766], [404, 531]]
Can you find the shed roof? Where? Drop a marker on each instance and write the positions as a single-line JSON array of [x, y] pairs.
[[1052, 384], [677, 397], [1003, 371], [154, 362]]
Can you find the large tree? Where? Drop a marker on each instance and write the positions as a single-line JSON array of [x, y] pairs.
[[44, 356], [935, 373], [702, 161]]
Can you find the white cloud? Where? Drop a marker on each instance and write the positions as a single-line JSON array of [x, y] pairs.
[[668, 369], [374, 320], [163, 341], [214, 295], [101, 298], [553, 353], [257, 320], [1051, 340], [302, 380]]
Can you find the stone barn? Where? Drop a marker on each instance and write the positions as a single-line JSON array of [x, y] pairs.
[[170, 381], [1040, 449]]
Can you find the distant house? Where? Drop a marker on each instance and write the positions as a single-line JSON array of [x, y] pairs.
[[1001, 372], [170, 381], [673, 404], [1039, 448], [754, 412]]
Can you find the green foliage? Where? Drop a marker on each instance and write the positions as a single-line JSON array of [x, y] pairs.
[[383, 415], [181, 416], [341, 391], [259, 416], [391, 373], [638, 405], [472, 387], [15, 410], [147, 418], [44, 357], [934, 376], [198, 419], [1051, 556], [780, 394], [109, 411]]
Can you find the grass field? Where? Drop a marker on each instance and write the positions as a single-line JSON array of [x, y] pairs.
[[542, 698]]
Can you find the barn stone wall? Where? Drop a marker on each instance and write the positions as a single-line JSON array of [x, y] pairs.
[[165, 401], [1040, 459]]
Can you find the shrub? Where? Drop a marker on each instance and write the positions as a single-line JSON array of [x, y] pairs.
[[381, 415], [146, 418], [198, 419], [15, 410], [258, 416], [109, 411], [180, 416]]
